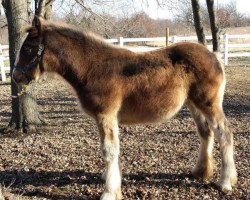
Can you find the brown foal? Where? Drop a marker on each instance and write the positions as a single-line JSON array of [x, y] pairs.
[[115, 85]]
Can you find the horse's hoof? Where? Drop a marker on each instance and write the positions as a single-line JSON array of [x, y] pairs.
[[227, 184], [226, 188], [108, 196], [111, 196], [234, 180], [202, 174]]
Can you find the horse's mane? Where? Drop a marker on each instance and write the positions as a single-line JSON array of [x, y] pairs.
[[78, 34]]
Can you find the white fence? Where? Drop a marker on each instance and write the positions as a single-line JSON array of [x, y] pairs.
[[226, 47], [3, 66]]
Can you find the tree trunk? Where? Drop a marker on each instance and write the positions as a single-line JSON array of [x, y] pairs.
[[197, 22], [214, 25], [29, 108], [48, 9], [16, 15], [40, 7], [25, 116], [0, 7], [29, 9], [43, 8]]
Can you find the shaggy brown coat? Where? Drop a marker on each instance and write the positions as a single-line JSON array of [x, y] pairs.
[[115, 85]]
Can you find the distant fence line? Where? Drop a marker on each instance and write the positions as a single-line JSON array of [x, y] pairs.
[[225, 47], [3, 58]]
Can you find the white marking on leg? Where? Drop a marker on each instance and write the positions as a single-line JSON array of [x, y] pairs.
[[228, 170], [113, 172], [206, 148], [110, 148], [204, 165], [205, 159]]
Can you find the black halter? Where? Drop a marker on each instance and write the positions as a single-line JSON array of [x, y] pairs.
[[33, 63]]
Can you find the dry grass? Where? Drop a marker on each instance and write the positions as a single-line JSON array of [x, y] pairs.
[[63, 161]]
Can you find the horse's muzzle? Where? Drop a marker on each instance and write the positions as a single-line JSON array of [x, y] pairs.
[[20, 77]]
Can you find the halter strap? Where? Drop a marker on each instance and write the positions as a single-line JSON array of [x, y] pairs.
[[34, 62]]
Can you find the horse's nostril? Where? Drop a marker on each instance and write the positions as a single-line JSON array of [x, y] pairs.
[[16, 76], [19, 77]]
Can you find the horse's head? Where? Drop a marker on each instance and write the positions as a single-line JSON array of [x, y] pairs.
[[29, 65]]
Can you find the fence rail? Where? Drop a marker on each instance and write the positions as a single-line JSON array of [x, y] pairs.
[[226, 47], [3, 66]]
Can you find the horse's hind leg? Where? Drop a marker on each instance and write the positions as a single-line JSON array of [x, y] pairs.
[[216, 120], [204, 166], [218, 123]]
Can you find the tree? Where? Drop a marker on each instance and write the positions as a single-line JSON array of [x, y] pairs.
[[229, 16], [43, 8], [197, 22], [199, 18], [25, 116], [16, 14], [213, 25]]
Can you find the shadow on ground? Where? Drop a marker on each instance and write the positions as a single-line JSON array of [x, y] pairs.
[[20, 179]]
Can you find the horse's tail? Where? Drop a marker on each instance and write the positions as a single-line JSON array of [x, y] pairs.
[[223, 83], [219, 58]]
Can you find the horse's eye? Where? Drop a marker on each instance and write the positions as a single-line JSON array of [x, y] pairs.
[[27, 49]]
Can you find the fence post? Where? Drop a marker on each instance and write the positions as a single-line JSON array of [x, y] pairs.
[[174, 39], [226, 49], [167, 36], [121, 42], [3, 75]]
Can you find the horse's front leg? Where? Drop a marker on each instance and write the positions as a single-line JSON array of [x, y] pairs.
[[109, 133]]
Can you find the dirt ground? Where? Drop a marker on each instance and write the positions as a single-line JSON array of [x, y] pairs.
[[63, 160]]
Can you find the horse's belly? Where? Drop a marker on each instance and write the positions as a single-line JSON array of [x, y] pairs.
[[144, 117], [150, 110]]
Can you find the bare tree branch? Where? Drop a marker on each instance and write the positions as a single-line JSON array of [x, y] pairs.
[[40, 7], [81, 3]]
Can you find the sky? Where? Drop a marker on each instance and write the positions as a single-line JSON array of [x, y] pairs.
[[155, 12], [151, 7]]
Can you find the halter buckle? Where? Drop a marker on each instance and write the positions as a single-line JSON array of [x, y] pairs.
[[40, 49]]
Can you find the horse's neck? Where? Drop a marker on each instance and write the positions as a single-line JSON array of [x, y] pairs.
[[77, 63]]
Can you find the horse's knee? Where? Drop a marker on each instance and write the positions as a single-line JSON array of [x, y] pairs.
[[109, 133], [222, 133]]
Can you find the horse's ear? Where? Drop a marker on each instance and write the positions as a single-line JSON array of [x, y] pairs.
[[37, 23]]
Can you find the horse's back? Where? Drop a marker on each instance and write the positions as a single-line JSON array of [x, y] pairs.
[[190, 72]]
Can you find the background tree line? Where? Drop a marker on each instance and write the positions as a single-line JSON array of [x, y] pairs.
[[139, 24]]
